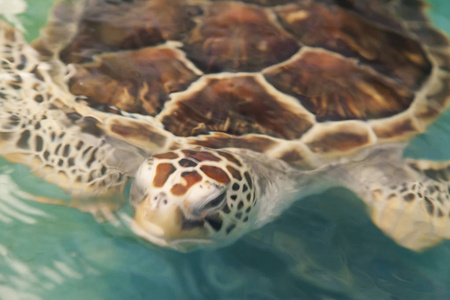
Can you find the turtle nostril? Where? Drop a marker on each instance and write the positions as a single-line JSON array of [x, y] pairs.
[[160, 198]]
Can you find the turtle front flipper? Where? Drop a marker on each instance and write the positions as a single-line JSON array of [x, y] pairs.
[[411, 204], [40, 126], [88, 153]]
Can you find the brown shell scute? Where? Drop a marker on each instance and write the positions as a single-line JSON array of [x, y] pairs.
[[200, 155], [386, 132], [346, 136], [217, 140], [109, 27], [140, 132], [431, 36], [335, 88], [297, 80], [235, 105], [378, 11], [135, 81], [333, 28], [237, 37]]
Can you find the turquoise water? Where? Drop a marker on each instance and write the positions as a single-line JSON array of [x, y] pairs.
[[324, 247]]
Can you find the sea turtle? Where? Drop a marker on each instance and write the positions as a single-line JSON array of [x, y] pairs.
[[222, 113]]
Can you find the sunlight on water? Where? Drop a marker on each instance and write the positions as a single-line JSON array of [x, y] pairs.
[[11, 206], [325, 247]]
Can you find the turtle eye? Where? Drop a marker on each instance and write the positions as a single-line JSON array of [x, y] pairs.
[[216, 202], [210, 206]]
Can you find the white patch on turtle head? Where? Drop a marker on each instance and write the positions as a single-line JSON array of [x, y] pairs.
[[187, 198]]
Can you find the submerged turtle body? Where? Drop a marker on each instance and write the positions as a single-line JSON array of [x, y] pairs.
[[224, 112], [297, 79]]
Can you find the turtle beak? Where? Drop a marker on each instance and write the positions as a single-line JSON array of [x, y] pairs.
[[171, 229]]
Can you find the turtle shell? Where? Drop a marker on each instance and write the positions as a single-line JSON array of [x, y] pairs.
[[296, 79]]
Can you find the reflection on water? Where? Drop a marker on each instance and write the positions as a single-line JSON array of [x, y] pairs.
[[325, 247]]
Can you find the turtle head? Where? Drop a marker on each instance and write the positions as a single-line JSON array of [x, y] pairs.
[[186, 198]]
